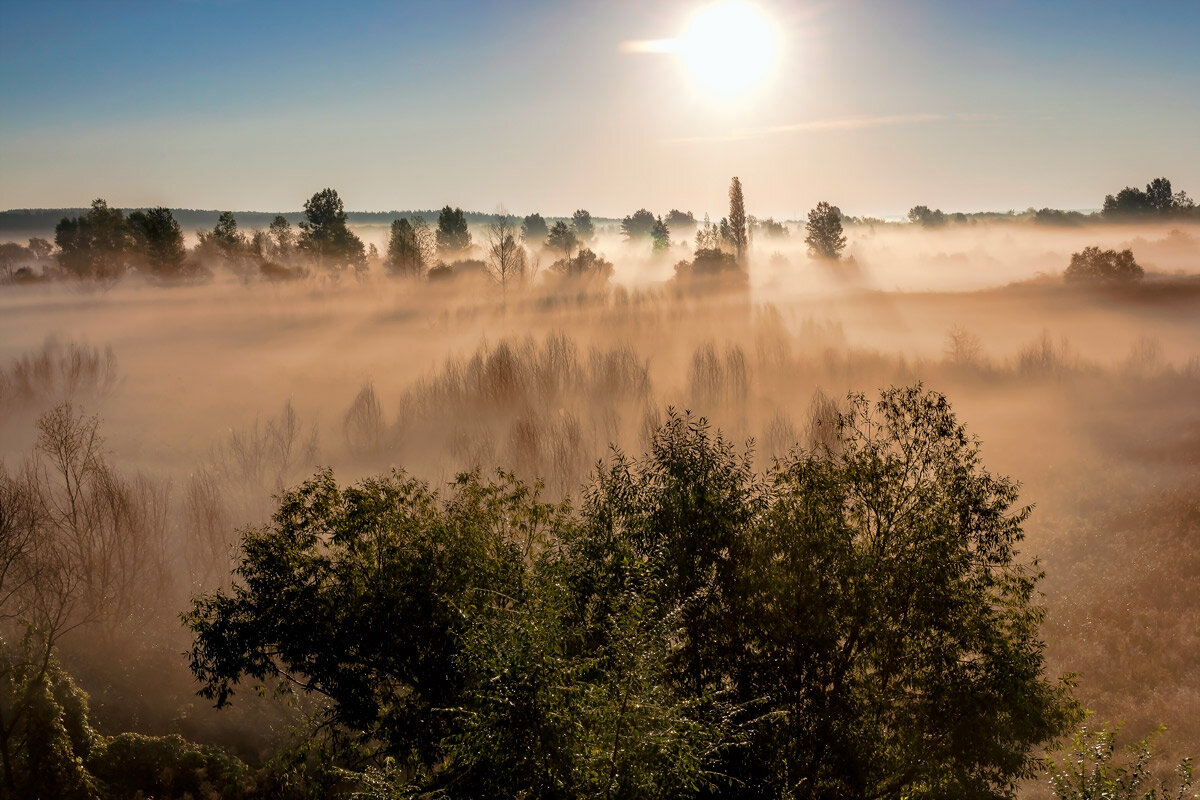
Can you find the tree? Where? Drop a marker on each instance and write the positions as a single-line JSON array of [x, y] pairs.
[[96, 245], [923, 215], [585, 267], [660, 234], [562, 237], [772, 229], [682, 221], [365, 596], [533, 228], [581, 224], [1106, 266], [325, 234], [737, 221], [854, 622], [282, 238], [160, 241], [1159, 196], [824, 232], [638, 225], [453, 238], [405, 255], [506, 260]]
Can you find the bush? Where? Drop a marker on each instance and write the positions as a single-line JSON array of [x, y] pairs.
[[1107, 266]]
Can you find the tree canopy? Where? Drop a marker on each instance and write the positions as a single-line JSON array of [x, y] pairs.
[[324, 233], [824, 232], [1105, 266], [453, 238], [853, 622]]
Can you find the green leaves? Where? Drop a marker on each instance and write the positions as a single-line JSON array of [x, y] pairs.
[[852, 622]]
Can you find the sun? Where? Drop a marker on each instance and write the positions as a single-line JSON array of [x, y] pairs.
[[729, 48]]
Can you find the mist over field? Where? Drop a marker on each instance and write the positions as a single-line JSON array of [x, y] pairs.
[[218, 396], [860, 462]]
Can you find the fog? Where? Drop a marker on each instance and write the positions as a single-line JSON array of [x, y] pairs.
[[1089, 396]]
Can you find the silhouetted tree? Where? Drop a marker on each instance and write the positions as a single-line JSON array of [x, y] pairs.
[[1107, 266], [325, 234], [660, 234], [97, 245], [283, 238], [563, 238], [506, 259], [923, 215], [737, 221], [1159, 196], [772, 229], [533, 229], [405, 255], [638, 225], [453, 238], [581, 224], [682, 222], [824, 232], [160, 241]]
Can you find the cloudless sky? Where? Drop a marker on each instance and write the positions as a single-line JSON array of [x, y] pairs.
[[873, 106]]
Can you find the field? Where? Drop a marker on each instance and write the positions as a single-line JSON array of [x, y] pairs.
[[214, 398]]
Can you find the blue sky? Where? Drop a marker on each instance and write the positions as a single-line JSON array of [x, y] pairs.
[[875, 106]]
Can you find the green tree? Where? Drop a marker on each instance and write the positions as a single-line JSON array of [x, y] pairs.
[[453, 238], [534, 229], [853, 623], [97, 245], [824, 232], [325, 235], [160, 241], [737, 222], [660, 235], [581, 224]]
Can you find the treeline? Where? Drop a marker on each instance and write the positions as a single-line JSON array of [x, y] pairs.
[[1157, 201], [104, 244]]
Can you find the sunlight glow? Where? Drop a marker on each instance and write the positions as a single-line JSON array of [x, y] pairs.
[[729, 47]]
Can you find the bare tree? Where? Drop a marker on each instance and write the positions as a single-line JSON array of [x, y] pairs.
[[506, 259]]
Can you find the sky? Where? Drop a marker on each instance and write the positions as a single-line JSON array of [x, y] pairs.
[[544, 106]]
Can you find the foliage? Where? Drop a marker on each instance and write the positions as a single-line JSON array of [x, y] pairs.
[[582, 225], [824, 232], [852, 622], [586, 266], [97, 245], [406, 254], [160, 240], [926, 217], [1091, 770], [533, 228], [453, 238], [637, 225], [1156, 200], [325, 235], [562, 237], [660, 236], [1107, 266], [738, 237], [680, 220]]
